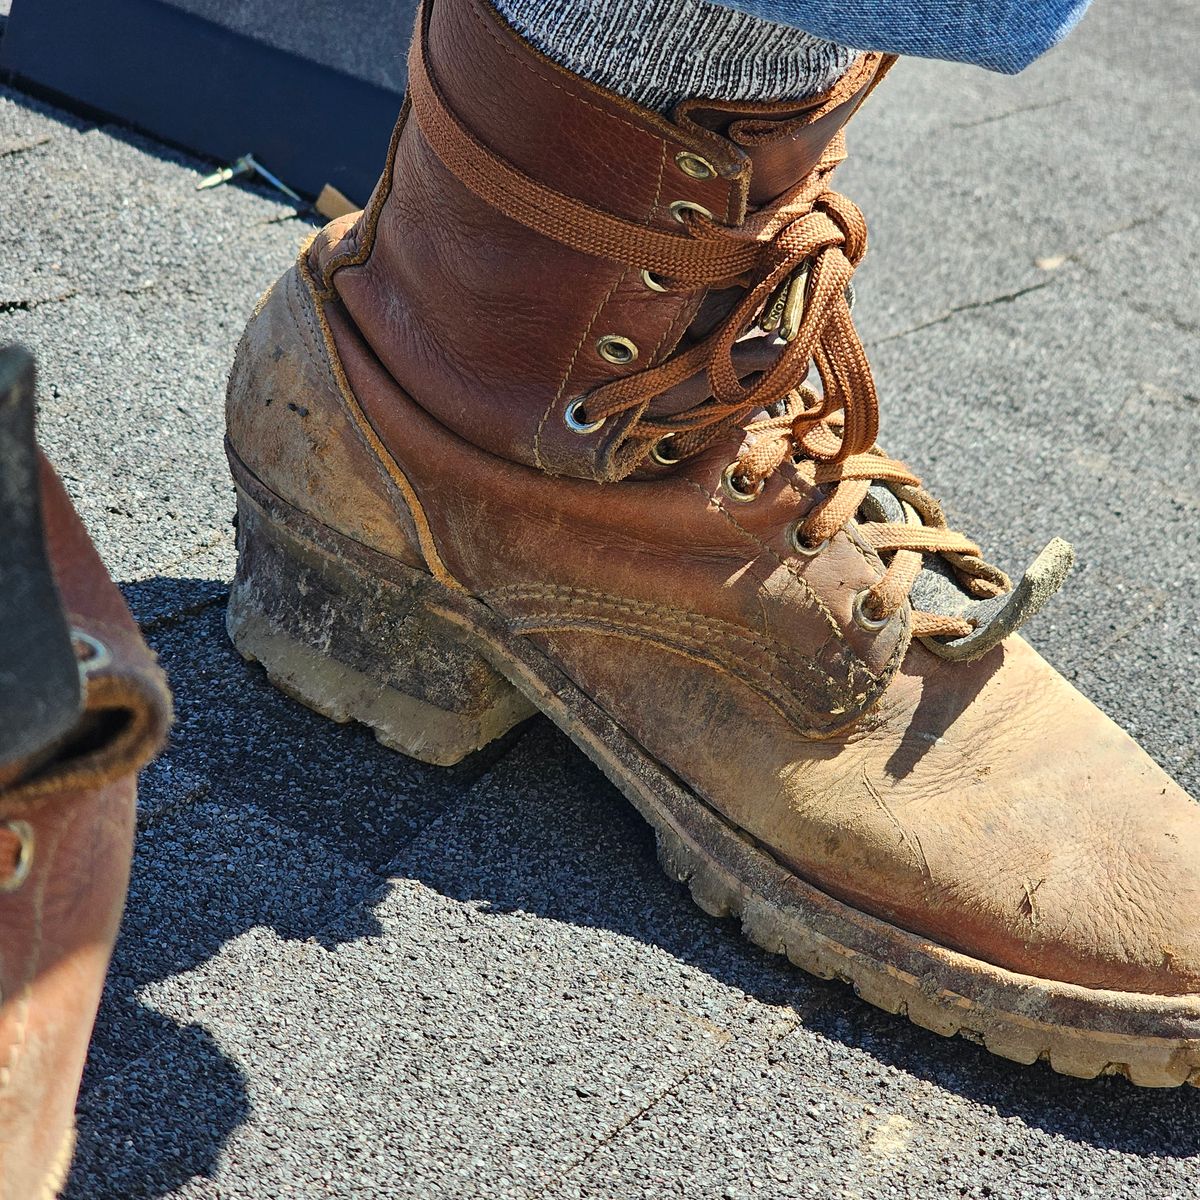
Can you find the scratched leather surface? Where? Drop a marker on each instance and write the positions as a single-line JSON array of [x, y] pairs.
[[985, 805]]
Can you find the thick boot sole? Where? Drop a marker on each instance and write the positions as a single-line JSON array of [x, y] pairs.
[[355, 645], [357, 636], [56, 1178]]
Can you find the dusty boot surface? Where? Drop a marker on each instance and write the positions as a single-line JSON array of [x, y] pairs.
[[82, 707], [535, 432]]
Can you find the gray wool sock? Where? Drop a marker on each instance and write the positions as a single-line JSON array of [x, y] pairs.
[[658, 52]]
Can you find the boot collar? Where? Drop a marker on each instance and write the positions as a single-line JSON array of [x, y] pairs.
[[785, 141]]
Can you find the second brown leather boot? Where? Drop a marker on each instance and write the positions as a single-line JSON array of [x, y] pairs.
[[535, 431], [83, 706]]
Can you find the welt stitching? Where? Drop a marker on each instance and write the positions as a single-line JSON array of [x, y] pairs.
[[713, 625], [787, 714], [536, 622]]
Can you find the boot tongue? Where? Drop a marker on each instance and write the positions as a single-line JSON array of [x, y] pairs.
[[786, 140]]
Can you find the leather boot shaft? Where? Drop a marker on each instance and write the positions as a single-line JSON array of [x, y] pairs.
[[499, 329]]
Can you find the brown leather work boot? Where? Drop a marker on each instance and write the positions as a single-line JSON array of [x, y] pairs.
[[82, 707], [534, 432]]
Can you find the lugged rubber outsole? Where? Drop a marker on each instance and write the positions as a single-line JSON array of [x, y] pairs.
[[1084, 1032], [60, 1169]]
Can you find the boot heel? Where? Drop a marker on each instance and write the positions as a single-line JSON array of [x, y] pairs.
[[355, 646]]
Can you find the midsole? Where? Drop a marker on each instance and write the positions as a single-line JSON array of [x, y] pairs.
[[861, 943]]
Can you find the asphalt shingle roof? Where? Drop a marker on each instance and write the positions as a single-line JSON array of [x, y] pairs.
[[344, 973]]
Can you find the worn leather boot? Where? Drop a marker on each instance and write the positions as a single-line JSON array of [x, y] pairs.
[[534, 432], [82, 707]]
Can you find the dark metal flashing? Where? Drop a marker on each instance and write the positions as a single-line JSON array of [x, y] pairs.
[[201, 86], [40, 694]]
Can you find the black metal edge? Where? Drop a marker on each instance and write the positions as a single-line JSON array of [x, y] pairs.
[[41, 696], [200, 86]]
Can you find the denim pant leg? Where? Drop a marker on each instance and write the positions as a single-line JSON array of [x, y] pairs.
[[1002, 35]]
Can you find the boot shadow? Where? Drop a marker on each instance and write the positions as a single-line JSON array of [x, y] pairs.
[[265, 815], [245, 831], [589, 860]]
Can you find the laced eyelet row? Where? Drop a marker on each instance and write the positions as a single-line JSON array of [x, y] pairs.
[[735, 491], [621, 351], [810, 237], [661, 453], [576, 419], [731, 488], [14, 872], [861, 619]]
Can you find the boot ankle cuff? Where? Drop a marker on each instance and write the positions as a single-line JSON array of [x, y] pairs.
[[659, 52]]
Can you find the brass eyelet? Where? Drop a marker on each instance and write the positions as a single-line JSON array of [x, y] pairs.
[[802, 547], [572, 418], [659, 455], [695, 166], [679, 207], [91, 653], [871, 624], [23, 861], [653, 282], [619, 351], [731, 488]]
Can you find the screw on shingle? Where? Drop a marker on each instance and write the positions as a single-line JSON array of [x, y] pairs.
[[225, 174], [247, 165]]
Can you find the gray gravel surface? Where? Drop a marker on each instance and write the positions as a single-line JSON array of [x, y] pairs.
[[346, 974]]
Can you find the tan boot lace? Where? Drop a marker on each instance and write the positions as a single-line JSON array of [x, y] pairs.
[[803, 250]]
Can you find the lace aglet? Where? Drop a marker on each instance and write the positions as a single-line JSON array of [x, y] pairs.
[[793, 308], [773, 312]]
